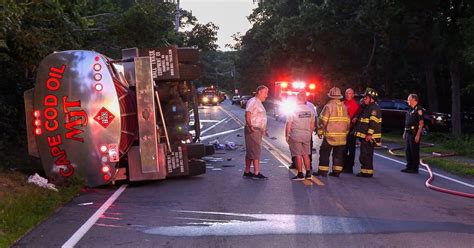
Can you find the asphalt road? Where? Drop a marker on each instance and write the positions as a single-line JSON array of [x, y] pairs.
[[222, 209]]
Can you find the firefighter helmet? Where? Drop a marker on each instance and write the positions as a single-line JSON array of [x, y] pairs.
[[335, 93], [371, 92]]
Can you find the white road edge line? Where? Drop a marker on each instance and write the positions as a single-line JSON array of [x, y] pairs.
[[221, 133], [72, 241], [213, 126], [437, 174], [391, 159]]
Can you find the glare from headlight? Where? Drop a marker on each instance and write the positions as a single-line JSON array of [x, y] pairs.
[[288, 106]]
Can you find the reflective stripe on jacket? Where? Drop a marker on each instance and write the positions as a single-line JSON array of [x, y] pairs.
[[370, 123], [334, 123]]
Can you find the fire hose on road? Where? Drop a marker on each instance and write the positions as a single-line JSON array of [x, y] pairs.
[[431, 177]]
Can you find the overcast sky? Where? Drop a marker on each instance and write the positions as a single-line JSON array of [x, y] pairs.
[[229, 15]]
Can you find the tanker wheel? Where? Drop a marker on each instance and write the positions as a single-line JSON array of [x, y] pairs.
[[189, 72], [196, 167], [188, 55]]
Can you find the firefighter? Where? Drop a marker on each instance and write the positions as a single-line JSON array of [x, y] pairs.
[[333, 127], [412, 134], [369, 131]]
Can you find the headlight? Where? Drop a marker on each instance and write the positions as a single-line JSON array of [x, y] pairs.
[[215, 99], [438, 118], [288, 106], [205, 99]]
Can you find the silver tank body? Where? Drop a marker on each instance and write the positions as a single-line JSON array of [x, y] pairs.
[[79, 113]]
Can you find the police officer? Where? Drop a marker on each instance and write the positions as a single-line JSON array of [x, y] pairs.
[[412, 134], [369, 131], [333, 124]]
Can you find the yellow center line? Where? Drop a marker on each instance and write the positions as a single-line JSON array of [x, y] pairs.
[[277, 153]]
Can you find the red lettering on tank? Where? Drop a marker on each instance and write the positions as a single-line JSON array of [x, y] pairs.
[[53, 84], [47, 125], [62, 159], [50, 100], [54, 140], [74, 131], [56, 151], [68, 172], [71, 104], [58, 70]]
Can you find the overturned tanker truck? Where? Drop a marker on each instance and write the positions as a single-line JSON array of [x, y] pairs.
[[106, 120]]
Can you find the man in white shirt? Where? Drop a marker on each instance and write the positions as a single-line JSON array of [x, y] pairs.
[[256, 127]]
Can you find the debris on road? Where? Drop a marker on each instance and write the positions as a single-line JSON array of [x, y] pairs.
[[85, 204], [230, 145], [41, 182]]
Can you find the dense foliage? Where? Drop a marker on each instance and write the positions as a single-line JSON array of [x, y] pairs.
[[397, 47]]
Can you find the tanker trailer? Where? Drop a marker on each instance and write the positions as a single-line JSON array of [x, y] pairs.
[[105, 120]]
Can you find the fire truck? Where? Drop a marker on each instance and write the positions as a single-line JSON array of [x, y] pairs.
[[210, 96], [285, 95], [105, 120]]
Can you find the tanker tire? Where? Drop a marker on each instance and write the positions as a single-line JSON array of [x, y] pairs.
[[197, 167], [189, 72], [195, 150], [188, 55], [209, 150]]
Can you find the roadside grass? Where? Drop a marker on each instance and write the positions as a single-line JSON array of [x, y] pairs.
[[464, 145], [444, 144], [453, 166], [24, 205]]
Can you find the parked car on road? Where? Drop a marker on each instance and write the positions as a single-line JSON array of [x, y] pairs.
[[393, 116], [236, 99], [244, 100]]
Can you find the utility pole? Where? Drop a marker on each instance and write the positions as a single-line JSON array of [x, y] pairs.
[[177, 14], [177, 17]]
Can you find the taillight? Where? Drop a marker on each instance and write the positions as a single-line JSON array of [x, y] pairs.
[[37, 122], [38, 131], [103, 148], [98, 77], [97, 67], [105, 168], [284, 84], [312, 86], [106, 177], [98, 87]]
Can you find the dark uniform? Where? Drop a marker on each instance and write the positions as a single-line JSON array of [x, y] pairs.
[[412, 149], [369, 123]]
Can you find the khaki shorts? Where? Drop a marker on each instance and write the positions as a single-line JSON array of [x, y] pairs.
[[253, 143], [299, 148]]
